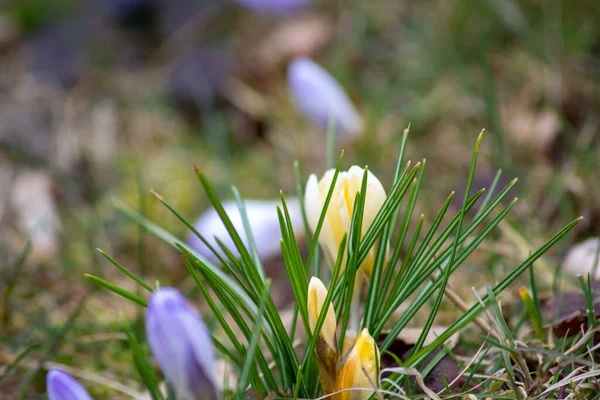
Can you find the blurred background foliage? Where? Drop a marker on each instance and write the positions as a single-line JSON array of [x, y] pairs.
[[105, 99]]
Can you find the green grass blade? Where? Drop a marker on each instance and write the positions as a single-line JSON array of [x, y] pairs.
[[387, 211], [126, 271], [161, 233], [248, 230], [142, 366], [448, 270], [428, 290], [371, 306], [533, 312], [250, 268], [252, 346], [120, 291], [353, 266], [315, 240], [472, 313], [490, 191], [309, 352], [406, 218], [227, 298], [425, 266], [215, 310], [330, 142]]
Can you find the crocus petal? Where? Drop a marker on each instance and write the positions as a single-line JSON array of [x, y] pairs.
[[181, 345], [320, 97], [326, 347], [375, 198], [345, 209], [340, 211], [275, 7], [315, 196], [316, 299], [580, 258], [334, 219], [312, 202], [62, 386], [264, 224], [360, 369]]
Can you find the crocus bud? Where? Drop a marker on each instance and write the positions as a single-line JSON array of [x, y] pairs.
[[321, 98], [359, 370], [326, 347], [62, 386], [275, 7], [340, 210], [181, 345]]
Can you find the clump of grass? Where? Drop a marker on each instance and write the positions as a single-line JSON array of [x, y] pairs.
[[269, 359]]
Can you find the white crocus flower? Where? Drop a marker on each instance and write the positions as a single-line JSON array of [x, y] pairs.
[[340, 209]]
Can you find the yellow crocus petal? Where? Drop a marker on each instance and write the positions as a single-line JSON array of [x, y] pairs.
[[326, 347], [359, 370], [341, 207], [314, 199], [333, 214], [375, 196], [316, 298], [313, 203]]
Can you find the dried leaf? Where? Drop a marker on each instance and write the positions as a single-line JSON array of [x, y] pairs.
[[568, 311], [445, 371]]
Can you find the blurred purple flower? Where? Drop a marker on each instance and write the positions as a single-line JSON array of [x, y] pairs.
[[62, 386], [181, 345], [264, 224], [320, 97], [275, 7]]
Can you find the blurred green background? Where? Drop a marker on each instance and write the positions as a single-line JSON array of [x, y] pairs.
[[105, 99]]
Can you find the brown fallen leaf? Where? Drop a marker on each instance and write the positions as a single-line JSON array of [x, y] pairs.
[[568, 311], [445, 371]]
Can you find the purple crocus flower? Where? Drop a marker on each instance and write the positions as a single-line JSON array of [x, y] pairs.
[[62, 386], [264, 224], [320, 97], [181, 345], [275, 7]]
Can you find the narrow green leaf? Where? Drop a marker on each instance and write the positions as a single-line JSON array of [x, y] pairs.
[[532, 313], [406, 218], [309, 352], [330, 142], [428, 290], [315, 240], [126, 271], [142, 366], [255, 279], [248, 230], [371, 305], [252, 346], [353, 265], [120, 291], [472, 313], [448, 270]]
